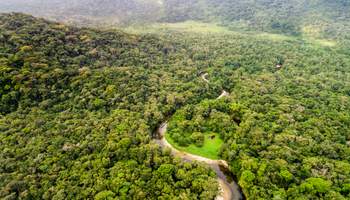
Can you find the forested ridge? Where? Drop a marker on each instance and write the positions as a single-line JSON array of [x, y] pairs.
[[79, 106], [316, 18], [286, 130], [319, 18]]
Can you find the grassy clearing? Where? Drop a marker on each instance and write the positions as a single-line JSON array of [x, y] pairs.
[[308, 39], [196, 27], [274, 37], [187, 26], [210, 149], [192, 27], [322, 42]]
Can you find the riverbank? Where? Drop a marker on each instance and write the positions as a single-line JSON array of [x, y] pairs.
[[229, 190], [209, 149]]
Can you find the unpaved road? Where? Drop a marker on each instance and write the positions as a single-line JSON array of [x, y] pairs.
[[223, 94], [204, 77]]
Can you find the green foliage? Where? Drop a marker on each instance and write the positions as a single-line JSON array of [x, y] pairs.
[[166, 170], [346, 189], [209, 149], [286, 175], [77, 110], [105, 195], [79, 106], [316, 18], [294, 119], [204, 126], [246, 180], [315, 185], [197, 138], [247, 176], [291, 17]]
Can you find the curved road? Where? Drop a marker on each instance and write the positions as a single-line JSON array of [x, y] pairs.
[[204, 77], [223, 94], [229, 190]]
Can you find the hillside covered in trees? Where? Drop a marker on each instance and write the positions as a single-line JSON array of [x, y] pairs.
[[282, 127], [79, 108], [317, 18]]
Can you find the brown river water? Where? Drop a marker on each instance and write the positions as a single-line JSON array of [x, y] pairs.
[[229, 189]]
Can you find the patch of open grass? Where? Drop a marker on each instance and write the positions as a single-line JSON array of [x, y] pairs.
[[187, 26], [323, 42], [274, 37], [210, 149], [310, 36], [197, 27]]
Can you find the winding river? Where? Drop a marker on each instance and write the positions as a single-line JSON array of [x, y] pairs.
[[229, 190]]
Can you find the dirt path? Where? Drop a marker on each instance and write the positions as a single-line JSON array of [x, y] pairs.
[[223, 94], [204, 77]]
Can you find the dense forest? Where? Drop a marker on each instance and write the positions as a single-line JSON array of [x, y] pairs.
[[89, 12], [318, 18], [79, 107], [286, 130]]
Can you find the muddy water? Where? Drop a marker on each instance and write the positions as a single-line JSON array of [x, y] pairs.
[[229, 190]]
